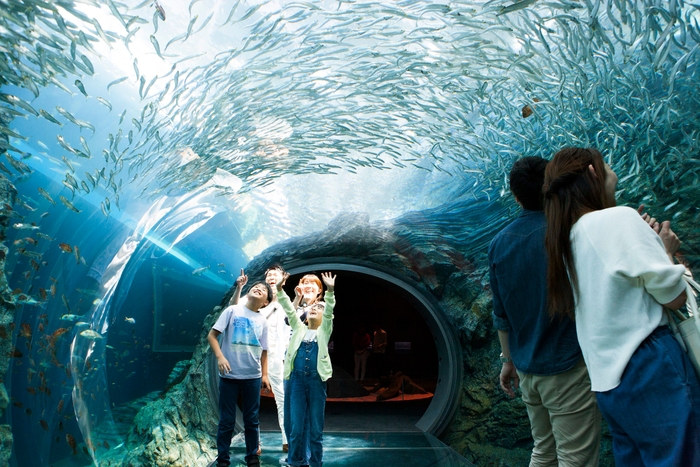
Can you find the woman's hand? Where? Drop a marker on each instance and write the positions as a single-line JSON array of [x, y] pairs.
[[329, 280], [670, 239], [656, 227], [282, 282]]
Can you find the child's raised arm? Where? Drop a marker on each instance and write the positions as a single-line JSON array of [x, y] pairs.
[[329, 280], [286, 303], [240, 282], [329, 298]]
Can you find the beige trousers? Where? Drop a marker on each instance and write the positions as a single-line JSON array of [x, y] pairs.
[[564, 418]]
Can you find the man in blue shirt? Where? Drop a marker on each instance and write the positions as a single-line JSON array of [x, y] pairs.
[[540, 354]]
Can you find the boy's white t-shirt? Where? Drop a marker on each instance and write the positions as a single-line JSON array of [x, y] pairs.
[[244, 337]]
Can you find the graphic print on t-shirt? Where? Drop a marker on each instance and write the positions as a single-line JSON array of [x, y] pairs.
[[244, 336]]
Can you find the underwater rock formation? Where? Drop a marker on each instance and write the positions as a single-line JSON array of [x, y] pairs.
[[7, 312], [434, 249]]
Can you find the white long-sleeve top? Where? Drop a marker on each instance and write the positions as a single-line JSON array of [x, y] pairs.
[[624, 274]]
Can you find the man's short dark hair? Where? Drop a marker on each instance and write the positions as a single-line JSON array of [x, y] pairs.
[[526, 180], [276, 266], [267, 287]]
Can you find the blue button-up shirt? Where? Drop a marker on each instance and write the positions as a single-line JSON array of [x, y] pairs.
[[538, 344]]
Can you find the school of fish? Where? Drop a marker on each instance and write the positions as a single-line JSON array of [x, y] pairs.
[[460, 88]]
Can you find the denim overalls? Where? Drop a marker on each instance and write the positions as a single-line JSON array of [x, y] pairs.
[[307, 398]]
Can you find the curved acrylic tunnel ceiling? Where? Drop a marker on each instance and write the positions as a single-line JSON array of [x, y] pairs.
[[127, 120]]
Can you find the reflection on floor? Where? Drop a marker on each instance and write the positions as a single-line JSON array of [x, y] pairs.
[[353, 416], [414, 449]]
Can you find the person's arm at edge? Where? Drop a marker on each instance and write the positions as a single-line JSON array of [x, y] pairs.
[[221, 362], [286, 304], [263, 364], [672, 243], [509, 378]]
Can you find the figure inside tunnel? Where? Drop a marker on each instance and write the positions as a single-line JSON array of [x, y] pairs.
[[539, 354], [307, 367], [360, 345], [615, 274], [277, 337], [379, 342], [242, 363]]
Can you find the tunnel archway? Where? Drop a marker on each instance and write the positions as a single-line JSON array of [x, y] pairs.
[[447, 391], [449, 373], [446, 397]]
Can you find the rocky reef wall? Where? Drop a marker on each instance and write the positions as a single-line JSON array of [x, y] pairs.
[[8, 194]]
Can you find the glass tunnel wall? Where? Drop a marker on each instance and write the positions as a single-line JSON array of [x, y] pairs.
[[158, 147]]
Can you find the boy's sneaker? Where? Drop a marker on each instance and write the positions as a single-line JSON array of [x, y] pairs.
[[283, 461], [253, 462]]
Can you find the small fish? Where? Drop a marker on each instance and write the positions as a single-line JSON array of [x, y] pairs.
[[76, 252], [65, 302], [25, 331], [88, 64], [26, 300], [43, 424], [46, 195], [68, 163], [49, 117], [70, 317], [515, 7], [23, 226], [83, 142], [65, 145], [58, 333], [68, 204], [65, 247], [81, 87], [160, 10], [156, 46], [200, 271], [18, 165], [71, 441], [130, 320], [104, 102], [69, 116], [90, 334], [117, 81]]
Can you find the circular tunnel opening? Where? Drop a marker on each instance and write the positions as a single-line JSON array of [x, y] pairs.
[[421, 345]]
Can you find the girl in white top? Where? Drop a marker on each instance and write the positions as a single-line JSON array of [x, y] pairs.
[[613, 272]]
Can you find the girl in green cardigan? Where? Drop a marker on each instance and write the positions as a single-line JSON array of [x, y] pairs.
[[307, 367]]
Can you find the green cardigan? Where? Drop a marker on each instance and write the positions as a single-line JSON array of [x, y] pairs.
[[323, 334]]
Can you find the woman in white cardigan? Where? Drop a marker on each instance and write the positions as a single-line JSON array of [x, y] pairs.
[[614, 274]]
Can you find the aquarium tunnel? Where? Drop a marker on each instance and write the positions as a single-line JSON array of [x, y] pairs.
[[151, 150]]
